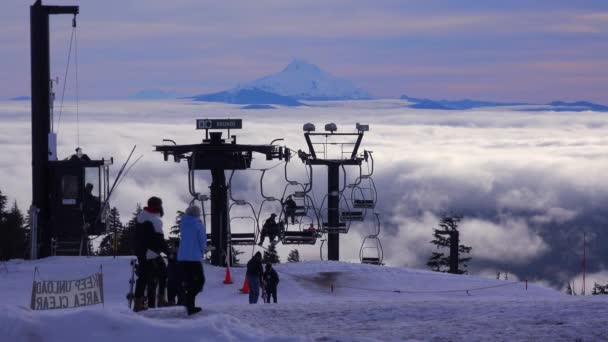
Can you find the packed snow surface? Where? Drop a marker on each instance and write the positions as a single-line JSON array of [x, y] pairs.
[[367, 303]]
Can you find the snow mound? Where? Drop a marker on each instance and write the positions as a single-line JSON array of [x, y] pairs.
[[318, 300]]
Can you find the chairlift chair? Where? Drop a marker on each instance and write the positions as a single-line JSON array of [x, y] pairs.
[[371, 251], [243, 239], [344, 225]]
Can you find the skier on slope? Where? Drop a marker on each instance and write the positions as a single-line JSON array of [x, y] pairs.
[[271, 281], [191, 251], [149, 243], [255, 270]]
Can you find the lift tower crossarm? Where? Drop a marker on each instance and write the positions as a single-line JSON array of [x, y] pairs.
[[218, 155]]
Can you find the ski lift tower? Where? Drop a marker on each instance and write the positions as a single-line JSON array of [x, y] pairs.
[[333, 226], [218, 155], [65, 210]]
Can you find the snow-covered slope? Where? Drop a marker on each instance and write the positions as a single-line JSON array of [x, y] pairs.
[[306, 81], [367, 303]]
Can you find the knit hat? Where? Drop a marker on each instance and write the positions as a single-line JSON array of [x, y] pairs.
[[193, 211]]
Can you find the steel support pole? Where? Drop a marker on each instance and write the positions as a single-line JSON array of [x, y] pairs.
[[333, 211], [219, 217]]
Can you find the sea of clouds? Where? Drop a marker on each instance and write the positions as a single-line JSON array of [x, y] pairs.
[[527, 183]]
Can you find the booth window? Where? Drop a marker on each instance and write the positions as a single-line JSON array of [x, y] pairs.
[[69, 189]]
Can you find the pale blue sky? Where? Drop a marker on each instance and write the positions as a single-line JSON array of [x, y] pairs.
[[495, 50]]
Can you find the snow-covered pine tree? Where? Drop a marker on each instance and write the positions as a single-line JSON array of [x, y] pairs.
[[270, 255], [569, 290], [235, 254], [13, 233], [125, 240], [178, 220], [440, 262], [115, 228], [294, 256], [599, 289]]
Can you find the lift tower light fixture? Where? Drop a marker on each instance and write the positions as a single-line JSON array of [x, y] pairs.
[[308, 127], [331, 127], [362, 128]]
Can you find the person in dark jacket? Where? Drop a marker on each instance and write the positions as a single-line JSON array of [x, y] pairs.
[[255, 270], [174, 282], [270, 229], [189, 256], [271, 281], [149, 243], [290, 209]]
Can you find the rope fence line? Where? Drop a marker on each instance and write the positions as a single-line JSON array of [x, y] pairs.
[[334, 286]]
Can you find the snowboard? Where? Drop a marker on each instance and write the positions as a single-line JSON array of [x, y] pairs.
[[131, 294]]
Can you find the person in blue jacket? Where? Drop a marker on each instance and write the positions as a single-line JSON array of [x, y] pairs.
[[189, 256]]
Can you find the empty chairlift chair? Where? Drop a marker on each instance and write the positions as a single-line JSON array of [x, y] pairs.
[[371, 248]]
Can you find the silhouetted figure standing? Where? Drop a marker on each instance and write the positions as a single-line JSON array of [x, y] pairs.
[[255, 271], [91, 205], [191, 251], [271, 282]]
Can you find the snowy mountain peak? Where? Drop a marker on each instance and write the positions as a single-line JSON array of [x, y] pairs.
[[301, 66], [305, 81]]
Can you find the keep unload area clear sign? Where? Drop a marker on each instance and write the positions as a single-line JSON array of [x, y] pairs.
[[62, 294]]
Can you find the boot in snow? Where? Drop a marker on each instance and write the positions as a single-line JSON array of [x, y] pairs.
[[139, 304], [162, 302], [194, 310]]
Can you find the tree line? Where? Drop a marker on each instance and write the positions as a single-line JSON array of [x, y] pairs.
[[14, 231]]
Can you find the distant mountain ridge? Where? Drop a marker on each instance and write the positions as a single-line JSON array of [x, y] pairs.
[[558, 106], [298, 81], [248, 96], [20, 98], [154, 94]]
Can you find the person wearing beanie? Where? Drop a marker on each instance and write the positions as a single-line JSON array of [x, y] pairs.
[[193, 243], [149, 243]]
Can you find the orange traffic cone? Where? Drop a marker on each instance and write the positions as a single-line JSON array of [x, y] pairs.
[[245, 288], [228, 278]]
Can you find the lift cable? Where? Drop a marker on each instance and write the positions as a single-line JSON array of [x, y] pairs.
[[65, 78], [77, 87]]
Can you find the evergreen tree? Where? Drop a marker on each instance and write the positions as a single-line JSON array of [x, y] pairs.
[[115, 230], [599, 289], [235, 254], [270, 255], [13, 237], [294, 256], [126, 241], [569, 290], [439, 261], [178, 221]]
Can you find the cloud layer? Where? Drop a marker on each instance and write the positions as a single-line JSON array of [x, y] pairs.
[[528, 184]]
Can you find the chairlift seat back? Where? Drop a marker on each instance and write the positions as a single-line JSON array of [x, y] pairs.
[[242, 239], [363, 204], [352, 216]]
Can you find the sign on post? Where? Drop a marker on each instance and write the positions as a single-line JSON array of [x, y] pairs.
[[219, 123], [63, 294]]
